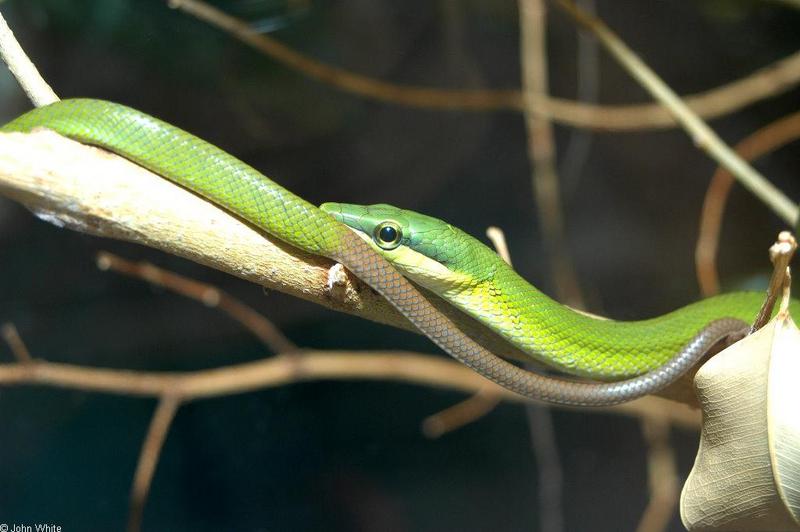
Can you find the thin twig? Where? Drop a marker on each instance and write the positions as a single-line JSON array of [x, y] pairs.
[[209, 295], [484, 400], [662, 476], [23, 69], [661, 463], [764, 141], [411, 368], [548, 463], [498, 239], [708, 235], [148, 458], [547, 201], [764, 83], [414, 96], [579, 143], [541, 151], [15, 343], [703, 136], [786, 298], [780, 254], [461, 414]]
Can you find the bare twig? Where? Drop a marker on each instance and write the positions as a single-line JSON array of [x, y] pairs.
[[780, 254], [412, 368], [661, 463], [786, 298], [23, 69], [15, 343], [764, 83], [547, 201], [498, 239], [764, 141], [662, 476], [541, 151], [343, 79], [461, 414], [548, 463], [148, 458], [702, 135], [209, 295], [579, 143], [708, 235], [173, 388], [483, 401]]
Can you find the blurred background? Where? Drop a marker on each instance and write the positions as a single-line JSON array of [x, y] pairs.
[[350, 456]]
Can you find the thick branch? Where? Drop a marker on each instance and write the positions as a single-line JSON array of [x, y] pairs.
[[93, 191]]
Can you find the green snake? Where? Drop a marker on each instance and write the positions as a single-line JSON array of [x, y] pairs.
[[387, 248]]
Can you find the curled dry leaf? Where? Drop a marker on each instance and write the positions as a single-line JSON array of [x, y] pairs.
[[746, 475]]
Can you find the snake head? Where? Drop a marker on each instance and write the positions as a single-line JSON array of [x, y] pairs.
[[427, 250]]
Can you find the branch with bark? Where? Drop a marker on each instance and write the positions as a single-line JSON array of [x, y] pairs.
[[96, 192]]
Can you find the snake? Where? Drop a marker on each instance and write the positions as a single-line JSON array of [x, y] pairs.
[[396, 252]]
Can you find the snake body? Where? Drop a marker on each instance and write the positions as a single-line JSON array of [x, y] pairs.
[[648, 354], [477, 281]]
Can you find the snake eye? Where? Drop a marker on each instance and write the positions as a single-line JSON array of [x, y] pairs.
[[387, 235]]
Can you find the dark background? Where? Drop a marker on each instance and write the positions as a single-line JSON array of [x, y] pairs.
[[350, 455]]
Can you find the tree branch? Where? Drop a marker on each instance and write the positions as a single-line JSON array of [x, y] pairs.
[[211, 296], [23, 69], [766, 82], [701, 134], [148, 458], [766, 140], [412, 368], [96, 192]]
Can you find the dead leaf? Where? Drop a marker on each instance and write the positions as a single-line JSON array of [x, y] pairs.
[[746, 475]]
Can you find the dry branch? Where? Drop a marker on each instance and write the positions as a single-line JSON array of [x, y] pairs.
[[766, 82], [701, 134], [662, 473], [96, 192], [148, 458], [211, 296], [542, 153], [93, 191], [548, 206], [10, 334], [23, 69], [766, 140], [412, 368]]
